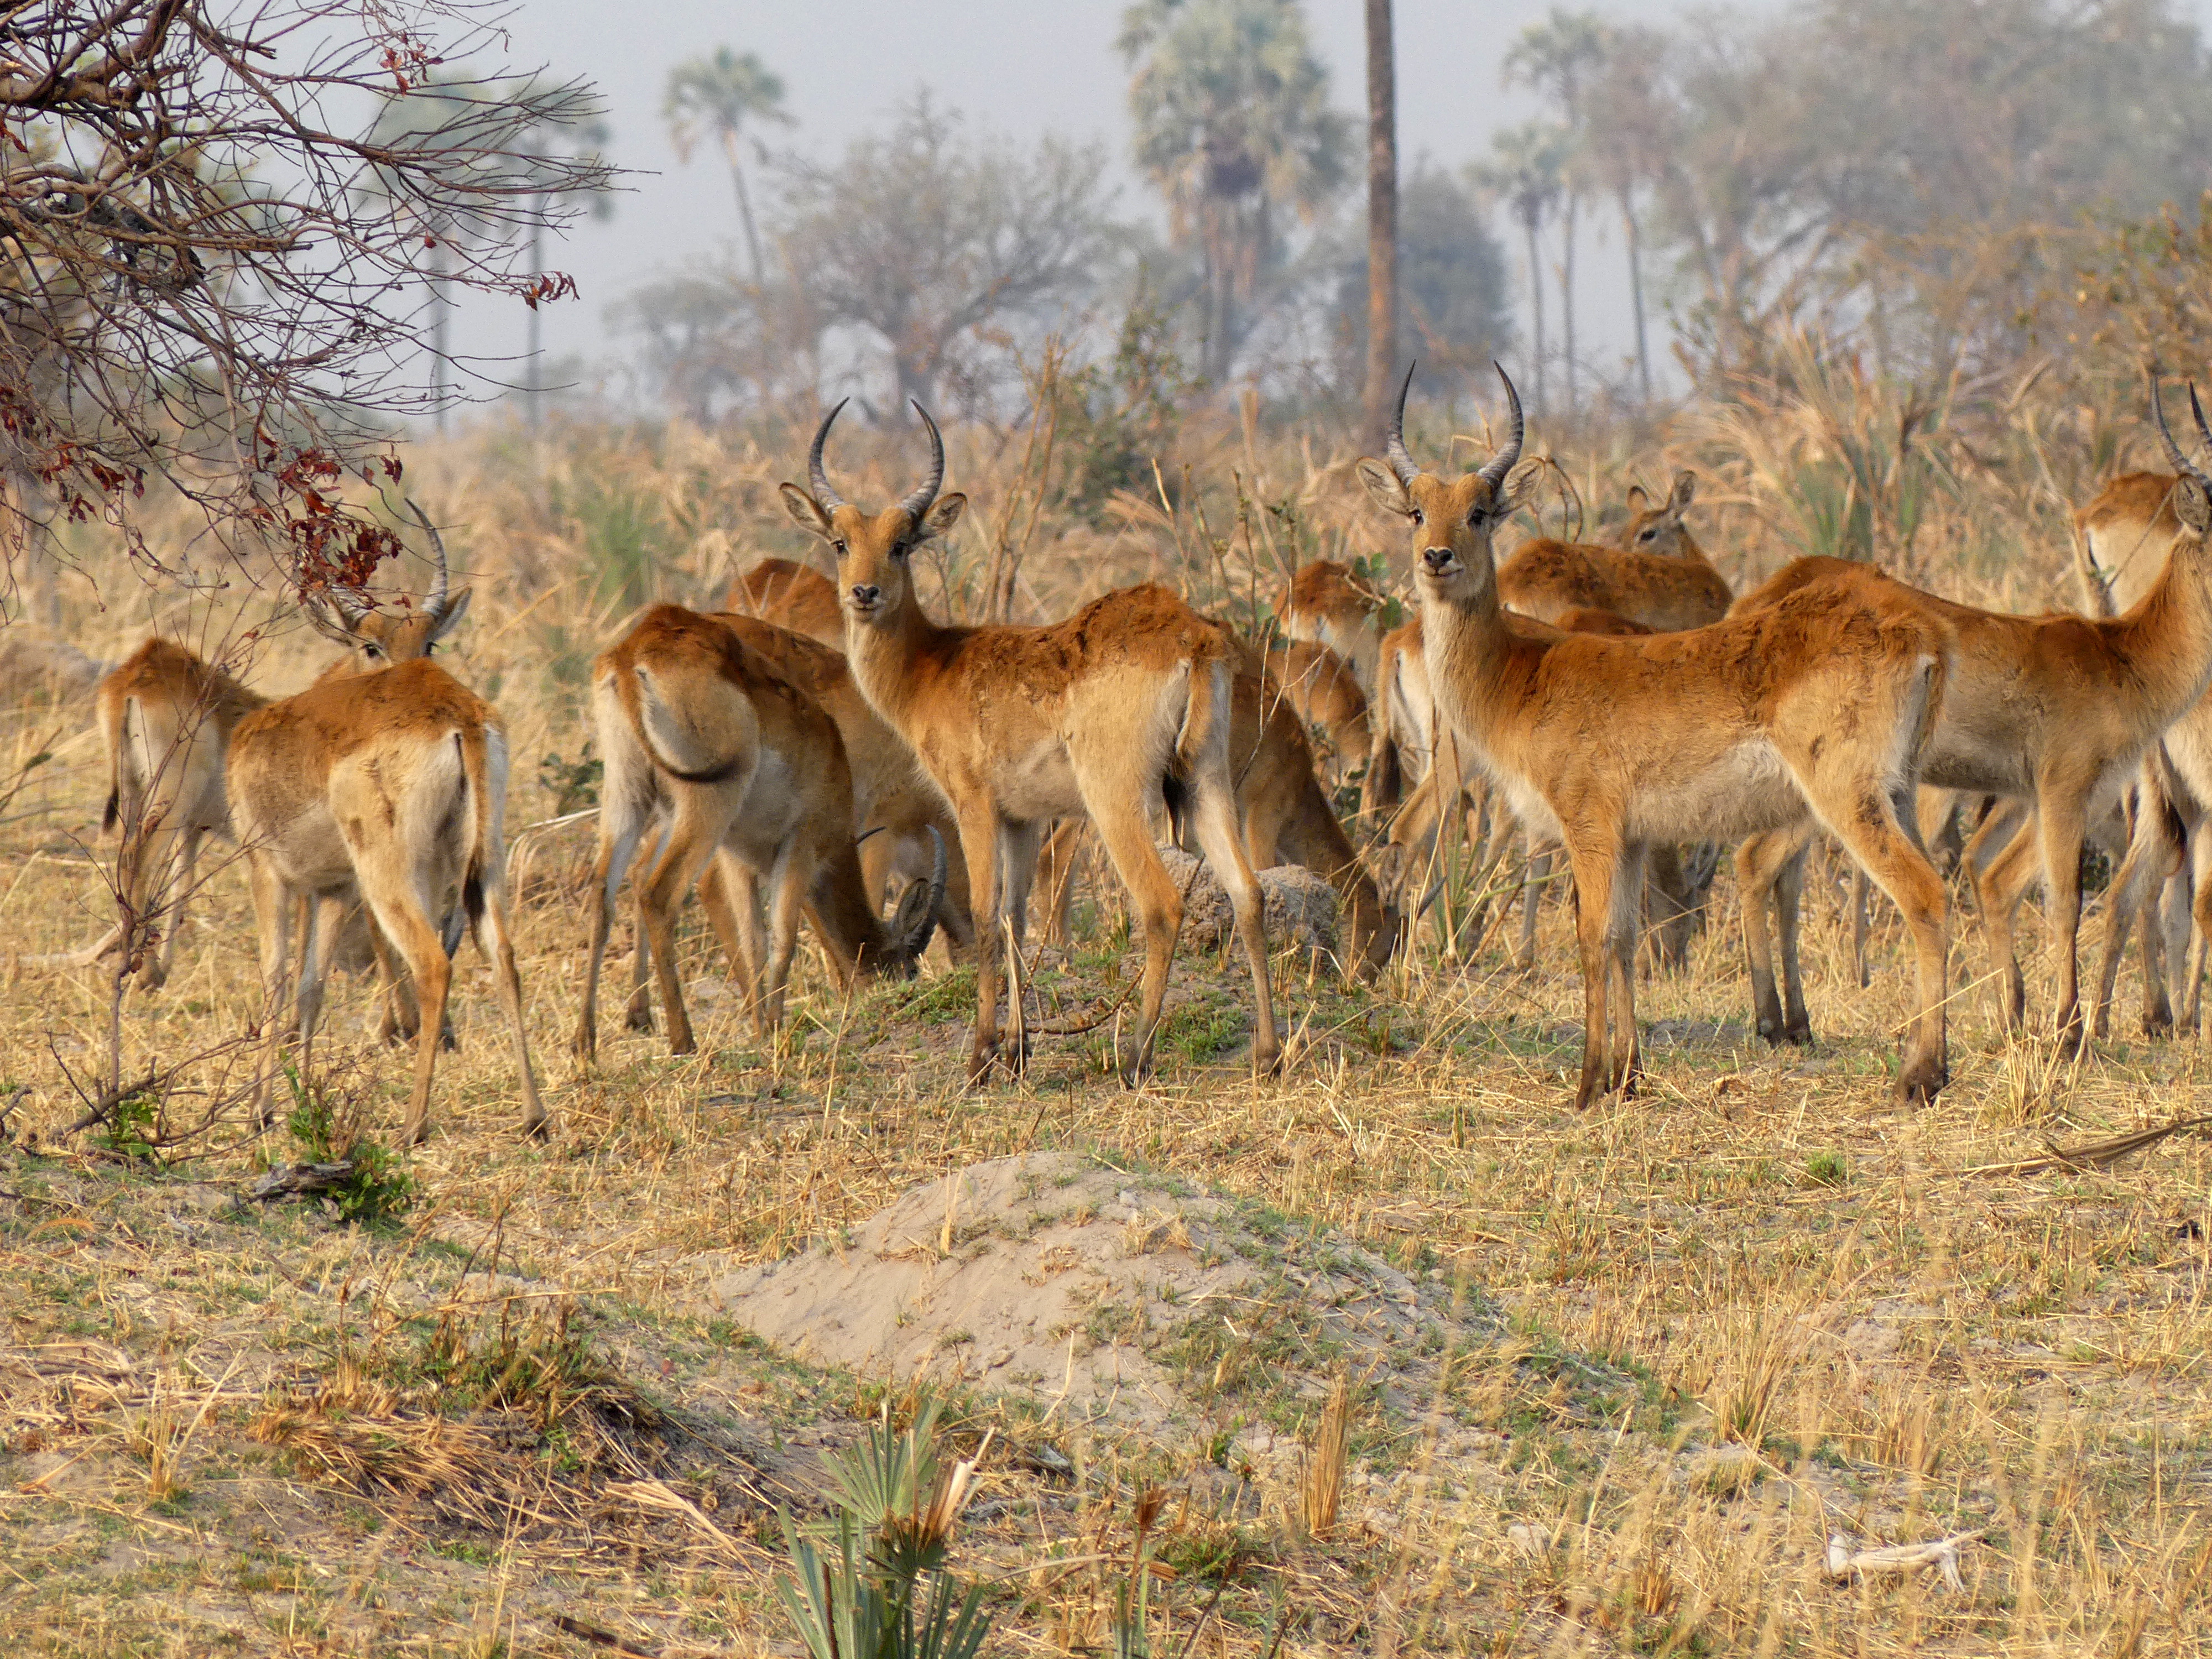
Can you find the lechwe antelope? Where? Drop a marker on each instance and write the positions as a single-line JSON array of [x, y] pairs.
[[1287, 818], [788, 611], [2176, 790], [1324, 694], [2059, 710], [1125, 703], [387, 778], [1613, 744], [697, 728], [1657, 576], [791, 596], [1328, 604], [166, 719]]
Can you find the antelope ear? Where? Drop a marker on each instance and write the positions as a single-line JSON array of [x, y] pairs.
[[1686, 489], [457, 607], [321, 618], [2191, 505], [1639, 501], [1384, 489], [942, 516], [1519, 485], [805, 511]]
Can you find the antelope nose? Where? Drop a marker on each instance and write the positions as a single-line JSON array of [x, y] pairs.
[[865, 595], [1438, 560]]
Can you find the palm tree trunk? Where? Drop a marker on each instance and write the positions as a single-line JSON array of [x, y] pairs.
[[439, 354], [1636, 290], [1382, 222], [745, 202], [1567, 296], [534, 387], [1528, 224]]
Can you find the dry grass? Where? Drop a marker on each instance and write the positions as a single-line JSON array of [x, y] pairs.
[[1756, 1307]]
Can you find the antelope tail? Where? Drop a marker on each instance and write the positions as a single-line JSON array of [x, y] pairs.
[[476, 781]]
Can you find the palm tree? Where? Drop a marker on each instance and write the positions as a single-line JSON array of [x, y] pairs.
[[1559, 58], [432, 117], [718, 94], [585, 139], [1381, 219], [1233, 125], [1524, 175], [1631, 132]]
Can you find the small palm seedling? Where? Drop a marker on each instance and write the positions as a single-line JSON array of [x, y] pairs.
[[861, 1594]]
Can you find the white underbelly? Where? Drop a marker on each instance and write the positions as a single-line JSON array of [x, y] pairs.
[[1039, 783]]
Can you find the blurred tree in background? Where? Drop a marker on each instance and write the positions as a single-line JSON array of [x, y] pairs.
[[718, 95], [1235, 129]]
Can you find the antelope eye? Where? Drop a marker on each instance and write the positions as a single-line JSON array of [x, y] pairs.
[[1419, 517], [902, 549], [1647, 535], [839, 547], [373, 650]]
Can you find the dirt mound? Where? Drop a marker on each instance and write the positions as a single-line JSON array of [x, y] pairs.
[[1098, 1293], [1299, 906]]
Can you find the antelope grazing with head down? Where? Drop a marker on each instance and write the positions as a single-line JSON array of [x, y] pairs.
[[2059, 710], [1125, 704], [1328, 605], [387, 778], [1734, 729], [697, 728]]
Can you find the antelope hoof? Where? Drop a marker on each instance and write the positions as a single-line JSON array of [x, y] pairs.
[[538, 1125], [2070, 1038], [1268, 1061], [414, 1132], [1918, 1084], [985, 1058], [1799, 1036], [637, 1017]]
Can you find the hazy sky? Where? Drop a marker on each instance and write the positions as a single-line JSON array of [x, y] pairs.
[[1025, 67]]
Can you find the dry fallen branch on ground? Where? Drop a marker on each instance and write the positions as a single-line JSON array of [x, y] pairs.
[[2096, 1155], [1942, 1553]]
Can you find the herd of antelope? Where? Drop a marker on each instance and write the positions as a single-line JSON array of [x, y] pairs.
[[818, 747]]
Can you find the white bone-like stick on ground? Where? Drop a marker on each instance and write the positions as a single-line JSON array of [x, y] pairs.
[[1942, 1553]]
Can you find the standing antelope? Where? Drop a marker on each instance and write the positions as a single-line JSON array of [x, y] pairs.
[[165, 720], [1612, 744], [696, 726], [2059, 710], [1125, 703], [387, 777], [1325, 695], [784, 609]]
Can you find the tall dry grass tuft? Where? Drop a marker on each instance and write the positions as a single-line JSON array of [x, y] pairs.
[[1321, 1484]]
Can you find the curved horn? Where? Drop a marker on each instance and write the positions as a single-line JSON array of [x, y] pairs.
[[907, 949], [1395, 443], [434, 603], [2181, 463], [816, 477], [1503, 462], [918, 503], [2203, 432]]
